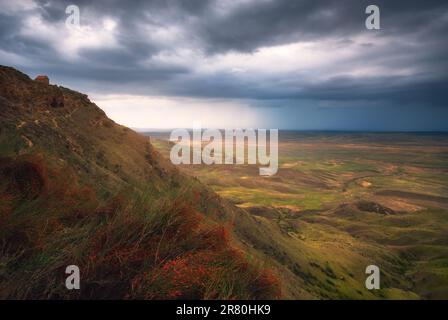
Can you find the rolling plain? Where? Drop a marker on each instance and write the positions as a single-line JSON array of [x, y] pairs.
[[340, 202]]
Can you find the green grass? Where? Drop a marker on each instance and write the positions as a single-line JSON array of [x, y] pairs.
[[409, 247]]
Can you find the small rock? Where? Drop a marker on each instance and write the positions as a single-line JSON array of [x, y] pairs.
[[42, 79], [366, 184]]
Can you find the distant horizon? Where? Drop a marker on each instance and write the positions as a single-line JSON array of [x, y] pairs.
[[149, 130]]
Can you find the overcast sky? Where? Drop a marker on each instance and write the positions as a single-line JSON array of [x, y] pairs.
[[242, 63]]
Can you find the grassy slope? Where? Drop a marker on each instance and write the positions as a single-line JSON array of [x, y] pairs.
[[76, 188]]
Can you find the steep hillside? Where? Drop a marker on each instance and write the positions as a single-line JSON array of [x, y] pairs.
[[77, 188], [64, 125]]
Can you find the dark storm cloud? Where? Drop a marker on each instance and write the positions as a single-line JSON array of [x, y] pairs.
[[252, 24], [416, 31], [264, 23]]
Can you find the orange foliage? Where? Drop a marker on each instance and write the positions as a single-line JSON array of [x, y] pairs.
[[267, 286], [185, 257]]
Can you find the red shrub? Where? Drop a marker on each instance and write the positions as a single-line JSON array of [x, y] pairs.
[[184, 223], [216, 238], [267, 286], [26, 177], [184, 277]]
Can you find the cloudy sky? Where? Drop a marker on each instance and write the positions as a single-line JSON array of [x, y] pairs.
[[241, 63]]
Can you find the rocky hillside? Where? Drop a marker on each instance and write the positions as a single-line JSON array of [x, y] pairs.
[[77, 188], [67, 127]]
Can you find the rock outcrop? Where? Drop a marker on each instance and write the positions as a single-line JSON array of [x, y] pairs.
[[42, 79]]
